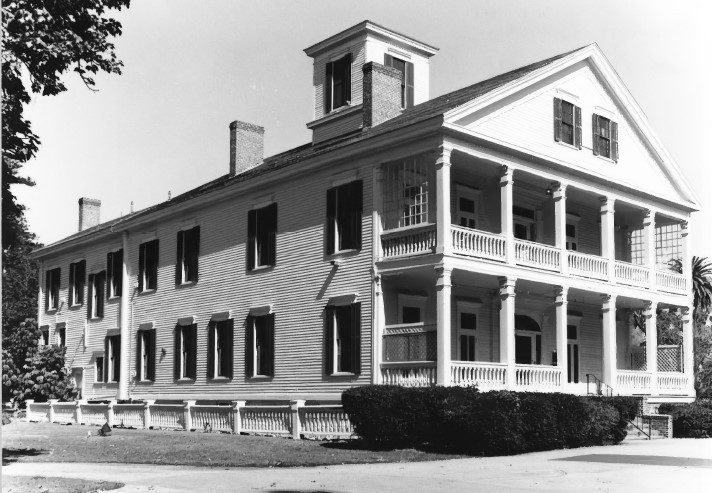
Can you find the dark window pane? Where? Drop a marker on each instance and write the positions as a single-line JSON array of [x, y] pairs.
[[343, 338], [570, 230], [261, 327], [521, 232], [571, 332], [468, 321], [467, 205], [411, 314]]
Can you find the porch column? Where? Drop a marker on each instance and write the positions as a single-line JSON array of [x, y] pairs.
[[560, 225], [379, 323], [442, 179], [685, 254], [506, 186], [561, 303], [506, 326], [608, 245], [444, 287], [688, 359], [125, 356], [609, 339], [378, 187], [651, 344], [649, 243]]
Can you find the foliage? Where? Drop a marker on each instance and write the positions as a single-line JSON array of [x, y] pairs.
[[18, 344], [20, 283], [702, 283], [47, 377], [689, 420], [703, 355], [669, 325], [42, 40], [464, 420]]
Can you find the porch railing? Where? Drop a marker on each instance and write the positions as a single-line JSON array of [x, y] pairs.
[[673, 383], [668, 281], [477, 243], [487, 376], [538, 377], [634, 275], [410, 241], [537, 255], [633, 382], [586, 265], [409, 374]]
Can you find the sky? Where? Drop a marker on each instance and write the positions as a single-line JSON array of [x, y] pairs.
[[190, 68]]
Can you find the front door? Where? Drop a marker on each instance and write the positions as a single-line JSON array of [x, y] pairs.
[[572, 353], [523, 350]]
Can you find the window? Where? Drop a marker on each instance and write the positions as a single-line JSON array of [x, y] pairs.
[[259, 346], [220, 344], [338, 83], [44, 339], [637, 246], [61, 334], [112, 358], [146, 355], [567, 123], [344, 205], [148, 266], [187, 255], [527, 341], [405, 192], [406, 70], [114, 270], [466, 207], [572, 348], [467, 330], [262, 237], [411, 308], [605, 137], [571, 237], [52, 278], [96, 295], [342, 339], [668, 244], [185, 353], [524, 223], [77, 275], [99, 369]]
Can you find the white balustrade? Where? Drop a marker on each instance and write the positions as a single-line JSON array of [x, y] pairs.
[[266, 419], [167, 415], [65, 412], [668, 281], [486, 376], [325, 421], [38, 411], [129, 415], [632, 382], [217, 418], [94, 414], [410, 374], [537, 255], [673, 383], [537, 377], [634, 275], [410, 241], [585, 265], [477, 243]]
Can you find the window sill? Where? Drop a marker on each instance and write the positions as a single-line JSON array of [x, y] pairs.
[[143, 382], [344, 374], [186, 284], [114, 298], [51, 311], [220, 379], [95, 319], [185, 380], [345, 253], [261, 377], [108, 384], [261, 268], [146, 291], [570, 146], [604, 158]]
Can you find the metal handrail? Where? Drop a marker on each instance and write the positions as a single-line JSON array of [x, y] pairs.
[[602, 388]]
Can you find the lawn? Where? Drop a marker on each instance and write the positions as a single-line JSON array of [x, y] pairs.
[[45, 442]]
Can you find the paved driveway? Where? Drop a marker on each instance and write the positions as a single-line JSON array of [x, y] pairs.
[[667, 466]]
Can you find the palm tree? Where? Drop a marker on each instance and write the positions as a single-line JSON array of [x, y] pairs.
[[701, 283]]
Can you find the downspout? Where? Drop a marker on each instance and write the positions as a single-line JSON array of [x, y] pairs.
[[124, 371]]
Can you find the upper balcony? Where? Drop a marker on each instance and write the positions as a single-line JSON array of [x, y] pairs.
[[496, 214]]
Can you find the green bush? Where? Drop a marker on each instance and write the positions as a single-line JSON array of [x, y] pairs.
[[627, 407], [464, 420], [689, 420]]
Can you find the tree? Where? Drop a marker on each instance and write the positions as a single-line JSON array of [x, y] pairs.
[[18, 345], [701, 283]]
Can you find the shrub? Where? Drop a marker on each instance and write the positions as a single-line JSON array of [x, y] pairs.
[[627, 407], [689, 420]]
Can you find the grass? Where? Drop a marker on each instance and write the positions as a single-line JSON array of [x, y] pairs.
[[38, 484], [45, 442]]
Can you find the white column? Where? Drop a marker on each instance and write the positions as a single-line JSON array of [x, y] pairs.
[[609, 339], [649, 243], [608, 245], [506, 187], [147, 413], [651, 344], [125, 357], [561, 303], [379, 323], [560, 225], [187, 418], [236, 418], [294, 407], [377, 211], [685, 254], [442, 179], [444, 288], [506, 326], [688, 357]]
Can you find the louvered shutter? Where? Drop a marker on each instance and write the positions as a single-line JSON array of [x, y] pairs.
[[271, 214], [331, 221], [47, 289], [90, 301], [269, 346], [538, 350], [118, 271], [179, 258], [558, 114], [329, 340], [152, 265], [106, 359], [327, 86], [356, 212], [614, 141], [409, 85], [151, 355], [347, 79], [176, 353], [109, 272], [211, 348], [72, 280], [228, 344], [141, 265], [193, 351], [251, 232], [194, 254], [594, 123], [250, 346], [139, 360], [100, 287], [577, 131], [356, 338], [80, 277], [116, 350]]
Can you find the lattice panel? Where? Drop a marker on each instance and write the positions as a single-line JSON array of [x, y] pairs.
[[670, 358], [411, 347], [638, 360]]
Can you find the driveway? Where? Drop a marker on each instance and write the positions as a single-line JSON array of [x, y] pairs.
[[635, 465]]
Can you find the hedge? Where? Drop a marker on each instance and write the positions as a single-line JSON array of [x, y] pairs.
[[690, 420], [463, 420]]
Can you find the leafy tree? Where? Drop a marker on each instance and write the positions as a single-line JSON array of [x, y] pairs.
[[18, 344], [703, 355], [46, 376], [702, 283]]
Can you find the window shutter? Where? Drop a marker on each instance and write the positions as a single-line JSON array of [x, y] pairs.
[[90, 301], [272, 228], [80, 276], [329, 340], [151, 356], [47, 288], [330, 221], [109, 272], [72, 280], [106, 359], [250, 346], [356, 338], [594, 146], [179, 258], [251, 232], [557, 119], [327, 87], [152, 265], [192, 351], [119, 271], [228, 344], [100, 286], [116, 349], [357, 211], [347, 78], [212, 326], [141, 265], [176, 353], [269, 343], [577, 131], [538, 350], [409, 85], [194, 254], [614, 141], [139, 343], [388, 60]]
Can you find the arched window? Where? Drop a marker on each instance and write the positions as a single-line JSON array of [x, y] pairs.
[[527, 341]]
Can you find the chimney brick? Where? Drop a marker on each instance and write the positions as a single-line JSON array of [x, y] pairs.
[[88, 213], [381, 93], [246, 146]]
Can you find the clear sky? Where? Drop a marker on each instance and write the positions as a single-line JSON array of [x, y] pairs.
[[192, 67]]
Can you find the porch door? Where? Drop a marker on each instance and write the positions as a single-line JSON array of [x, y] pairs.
[[523, 350], [573, 354], [467, 335]]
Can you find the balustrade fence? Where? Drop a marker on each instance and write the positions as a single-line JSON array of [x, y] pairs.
[[295, 419]]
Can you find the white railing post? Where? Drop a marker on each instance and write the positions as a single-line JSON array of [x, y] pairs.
[[295, 406], [506, 186], [187, 421], [687, 348], [609, 339], [649, 242], [442, 179], [236, 416], [608, 246], [28, 409], [147, 413], [506, 327], [110, 413], [379, 322], [651, 344], [560, 225], [444, 310], [52, 402], [78, 410], [561, 303]]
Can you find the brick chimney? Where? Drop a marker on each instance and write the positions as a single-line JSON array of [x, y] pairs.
[[246, 146], [381, 94], [88, 213]]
